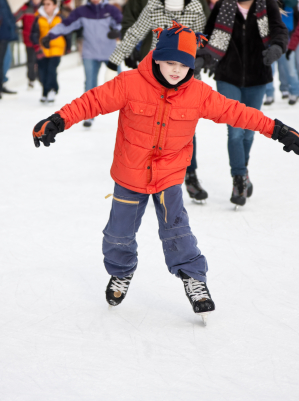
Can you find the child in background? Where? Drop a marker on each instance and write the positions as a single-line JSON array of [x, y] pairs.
[[101, 26], [48, 59], [26, 14], [160, 104]]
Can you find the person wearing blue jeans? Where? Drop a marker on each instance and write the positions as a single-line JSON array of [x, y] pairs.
[[179, 244], [240, 140], [101, 27], [245, 38], [91, 68], [289, 81], [6, 67]]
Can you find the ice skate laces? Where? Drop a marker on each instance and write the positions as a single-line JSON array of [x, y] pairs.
[[196, 289], [121, 284]]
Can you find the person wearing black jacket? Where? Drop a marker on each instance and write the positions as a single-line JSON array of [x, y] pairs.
[[245, 38]]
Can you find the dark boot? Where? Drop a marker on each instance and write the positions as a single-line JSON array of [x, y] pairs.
[[249, 186], [117, 289], [239, 190], [194, 188]]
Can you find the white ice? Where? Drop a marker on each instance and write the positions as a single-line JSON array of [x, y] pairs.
[[59, 341]]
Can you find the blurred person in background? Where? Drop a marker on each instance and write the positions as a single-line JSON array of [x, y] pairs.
[[26, 14], [288, 74], [101, 27], [245, 38], [140, 18], [48, 58], [211, 3], [8, 33], [293, 46], [6, 66]]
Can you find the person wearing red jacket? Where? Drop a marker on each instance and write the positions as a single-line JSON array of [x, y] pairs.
[[160, 104], [26, 14], [294, 42]]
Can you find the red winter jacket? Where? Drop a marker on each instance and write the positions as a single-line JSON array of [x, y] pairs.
[[27, 15], [294, 39], [156, 125]]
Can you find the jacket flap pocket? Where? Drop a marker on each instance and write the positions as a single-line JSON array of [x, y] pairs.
[[142, 109], [184, 114]]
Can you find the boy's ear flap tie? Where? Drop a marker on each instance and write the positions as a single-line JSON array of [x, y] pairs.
[[200, 37], [158, 31], [179, 28]]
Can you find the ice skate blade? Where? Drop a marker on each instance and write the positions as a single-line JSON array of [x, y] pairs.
[[204, 316], [199, 202]]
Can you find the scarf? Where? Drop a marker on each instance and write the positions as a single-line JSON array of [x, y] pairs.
[[163, 81], [221, 35]]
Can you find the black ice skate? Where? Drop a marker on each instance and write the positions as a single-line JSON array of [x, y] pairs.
[[249, 186], [239, 190], [87, 123], [198, 294], [117, 289], [194, 188]]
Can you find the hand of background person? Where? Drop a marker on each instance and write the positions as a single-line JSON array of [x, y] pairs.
[[206, 61], [199, 63], [39, 54], [46, 130], [113, 33], [288, 53], [46, 42], [131, 62], [286, 135], [273, 53]]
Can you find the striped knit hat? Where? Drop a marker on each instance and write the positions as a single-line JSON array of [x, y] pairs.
[[178, 43]]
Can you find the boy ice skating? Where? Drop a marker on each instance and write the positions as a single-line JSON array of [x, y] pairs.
[[160, 104]]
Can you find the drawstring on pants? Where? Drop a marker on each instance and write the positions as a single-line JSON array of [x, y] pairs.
[[162, 202]]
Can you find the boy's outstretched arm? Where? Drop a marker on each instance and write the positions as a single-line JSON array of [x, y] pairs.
[[220, 109], [103, 99]]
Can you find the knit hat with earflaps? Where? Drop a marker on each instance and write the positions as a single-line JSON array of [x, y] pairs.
[[178, 43]]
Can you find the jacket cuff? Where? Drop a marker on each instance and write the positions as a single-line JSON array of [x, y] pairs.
[[112, 66]]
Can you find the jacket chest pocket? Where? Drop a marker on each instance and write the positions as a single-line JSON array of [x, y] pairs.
[[182, 122], [141, 116]]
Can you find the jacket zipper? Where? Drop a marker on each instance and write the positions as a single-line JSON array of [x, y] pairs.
[[244, 59]]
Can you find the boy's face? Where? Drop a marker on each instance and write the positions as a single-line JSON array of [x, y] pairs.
[[36, 2], [49, 7], [172, 71], [95, 1]]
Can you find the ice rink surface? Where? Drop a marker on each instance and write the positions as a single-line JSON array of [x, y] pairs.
[[59, 341]]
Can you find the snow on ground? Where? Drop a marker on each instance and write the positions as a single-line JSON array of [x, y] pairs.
[[59, 341]]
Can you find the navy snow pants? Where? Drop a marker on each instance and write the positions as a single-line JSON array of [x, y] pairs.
[[179, 244]]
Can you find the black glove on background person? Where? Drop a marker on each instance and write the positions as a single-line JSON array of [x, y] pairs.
[[112, 66], [113, 33], [199, 63], [286, 135], [288, 53], [46, 130], [46, 42], [273, 53]]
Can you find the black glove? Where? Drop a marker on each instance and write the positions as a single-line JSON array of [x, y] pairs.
[[132, 60], [273, 53], [288, 53], [46, 130], [286, 135], [206, 61], [199, 63], [113, 33], [112, 66], [46, 42]]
